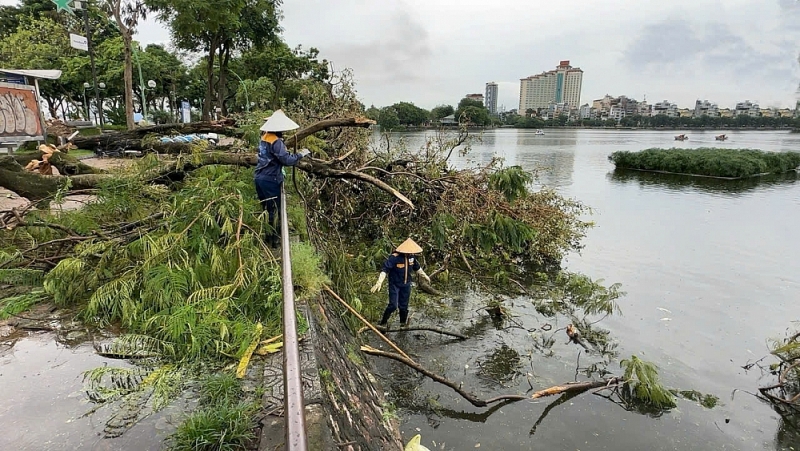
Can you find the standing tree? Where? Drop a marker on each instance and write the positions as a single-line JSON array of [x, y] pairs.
[[127, 14], [280, 64], [220, 28], [441, 111]]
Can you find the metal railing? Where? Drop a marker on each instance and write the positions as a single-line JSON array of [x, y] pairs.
[[293, 406]]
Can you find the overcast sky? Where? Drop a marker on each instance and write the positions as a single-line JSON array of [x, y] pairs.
[[435, 51]]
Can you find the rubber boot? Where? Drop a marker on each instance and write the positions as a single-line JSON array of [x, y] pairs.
[[386, 314], [403, 318]]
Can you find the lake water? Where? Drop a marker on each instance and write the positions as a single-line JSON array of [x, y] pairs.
[[711, 270]]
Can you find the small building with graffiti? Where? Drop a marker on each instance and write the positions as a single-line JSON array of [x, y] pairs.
[[21, 117]]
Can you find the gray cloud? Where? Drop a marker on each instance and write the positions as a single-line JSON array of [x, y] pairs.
[[712, 51], [397, 53]]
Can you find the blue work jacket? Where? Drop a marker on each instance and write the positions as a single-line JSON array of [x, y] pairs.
[[272, 157], [400, 267]]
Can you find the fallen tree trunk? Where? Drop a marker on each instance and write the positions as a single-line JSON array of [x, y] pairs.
[[474, 400], [419, 328], [569, 387], [34, 186], [132, 140], [17, 181], [66, 164]]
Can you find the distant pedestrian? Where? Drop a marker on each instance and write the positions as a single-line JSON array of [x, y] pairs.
[[272, 157], [399, 267]]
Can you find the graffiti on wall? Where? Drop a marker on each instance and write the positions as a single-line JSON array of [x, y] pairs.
[[19, 114]]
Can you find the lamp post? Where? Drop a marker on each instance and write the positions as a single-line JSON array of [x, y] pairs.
[[85, 102], [102, 87], [152, 85]]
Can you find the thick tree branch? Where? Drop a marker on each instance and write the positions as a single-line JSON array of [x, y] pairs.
[[293, 140]]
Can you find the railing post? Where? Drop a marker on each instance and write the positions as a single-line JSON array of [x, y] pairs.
[[293, 406]]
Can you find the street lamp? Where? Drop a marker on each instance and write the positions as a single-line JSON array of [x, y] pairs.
[[102, 87], [85, 101]]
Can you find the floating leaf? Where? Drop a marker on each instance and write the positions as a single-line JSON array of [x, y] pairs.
[[415, 445]]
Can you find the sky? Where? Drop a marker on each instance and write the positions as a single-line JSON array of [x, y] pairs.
[[433, 52]]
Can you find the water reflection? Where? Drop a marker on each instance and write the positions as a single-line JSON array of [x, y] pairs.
[[677, 182]]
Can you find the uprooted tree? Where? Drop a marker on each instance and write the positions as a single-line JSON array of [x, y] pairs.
[[171, 248]]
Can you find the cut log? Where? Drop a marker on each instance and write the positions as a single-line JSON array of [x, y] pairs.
[[34, 186]]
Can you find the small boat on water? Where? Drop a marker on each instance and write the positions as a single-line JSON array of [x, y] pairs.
[[721, 137], [539, 133], [681, 137]]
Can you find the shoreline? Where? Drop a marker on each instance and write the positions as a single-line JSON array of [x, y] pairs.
[[568, 127]]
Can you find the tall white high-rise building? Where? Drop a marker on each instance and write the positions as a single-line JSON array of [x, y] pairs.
[[491, 97], [562, 85]]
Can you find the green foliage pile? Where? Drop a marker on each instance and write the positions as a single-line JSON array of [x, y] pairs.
[[195, 275], [715, 162], [200, 281], [488, 215], [642, 385]]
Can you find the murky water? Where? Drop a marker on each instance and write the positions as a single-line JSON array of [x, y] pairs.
[[43, 406], [711, 271]]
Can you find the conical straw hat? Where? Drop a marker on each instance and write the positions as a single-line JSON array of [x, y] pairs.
[[278, 122], [409, 247]]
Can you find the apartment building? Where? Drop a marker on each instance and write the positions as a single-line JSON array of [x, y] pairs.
[[562, 85]]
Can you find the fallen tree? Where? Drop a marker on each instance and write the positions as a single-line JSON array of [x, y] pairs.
[[36, 187]]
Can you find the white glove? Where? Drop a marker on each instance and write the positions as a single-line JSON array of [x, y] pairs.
[[422, 274], [378, 284], [304, 153]]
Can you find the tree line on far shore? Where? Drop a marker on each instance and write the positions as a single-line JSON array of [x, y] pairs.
[[406, 114], [473, 112]]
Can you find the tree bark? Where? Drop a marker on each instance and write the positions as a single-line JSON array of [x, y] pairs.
[[127, 39], [35, 187], [212, 50]]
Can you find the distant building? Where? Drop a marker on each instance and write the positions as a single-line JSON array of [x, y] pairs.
[[785, 112], [616, 107], [726, 112], [562, 85], [586, 111], [705, 108], [644, 109], [491, 97], [747, 108], [666, 108], [685, 112], [449, 120], [556, 109], [478, 97]]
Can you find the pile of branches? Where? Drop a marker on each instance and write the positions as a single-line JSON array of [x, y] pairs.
[[785, 393]]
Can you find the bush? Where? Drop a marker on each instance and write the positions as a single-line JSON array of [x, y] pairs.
[[714, 162]]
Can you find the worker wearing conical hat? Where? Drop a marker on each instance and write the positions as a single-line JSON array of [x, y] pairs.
[[399, 267], [272, 157]]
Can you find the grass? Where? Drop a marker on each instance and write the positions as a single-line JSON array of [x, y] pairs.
[[225, 420], [712, 162], [81, 153]]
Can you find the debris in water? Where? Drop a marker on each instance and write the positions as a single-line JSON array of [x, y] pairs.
[[666, 319], [664, 310]]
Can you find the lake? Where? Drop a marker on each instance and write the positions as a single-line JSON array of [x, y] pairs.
[[711, 271]]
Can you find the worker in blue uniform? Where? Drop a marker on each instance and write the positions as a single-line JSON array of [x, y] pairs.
[[272, 157], [400, 266]]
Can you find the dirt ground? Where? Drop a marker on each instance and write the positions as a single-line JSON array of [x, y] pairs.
[[10, 199]]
